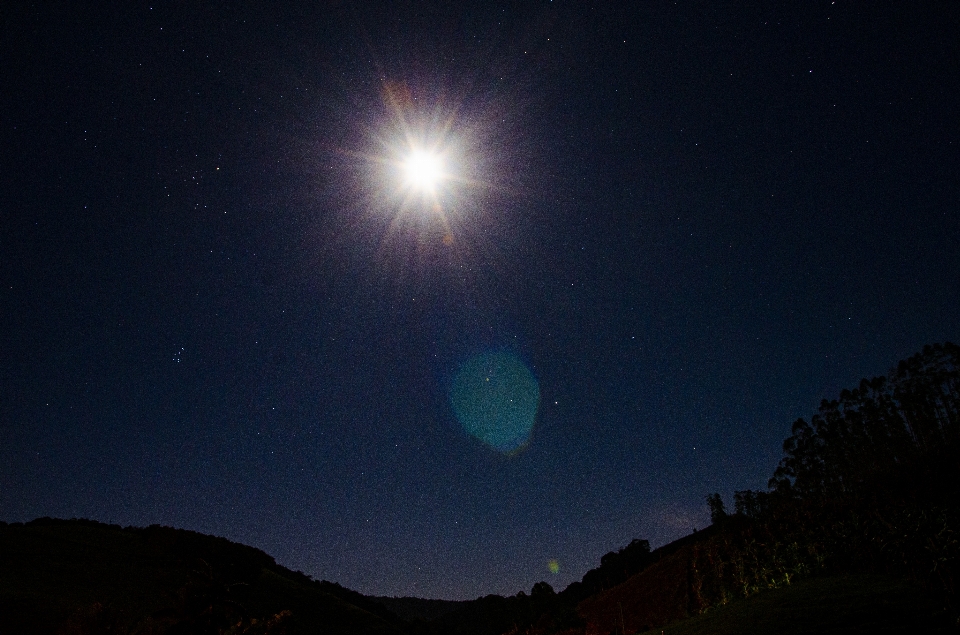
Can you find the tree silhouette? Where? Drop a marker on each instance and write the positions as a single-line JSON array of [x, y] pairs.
[[717, 510], [884, 423]]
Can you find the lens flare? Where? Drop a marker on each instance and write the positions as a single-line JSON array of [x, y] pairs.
[[495, 398]]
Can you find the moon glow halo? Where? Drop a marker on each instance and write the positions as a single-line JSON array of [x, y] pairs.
[[427, 176], [423, 170]]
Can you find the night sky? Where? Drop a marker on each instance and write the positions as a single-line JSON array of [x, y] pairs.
[[660, 233]]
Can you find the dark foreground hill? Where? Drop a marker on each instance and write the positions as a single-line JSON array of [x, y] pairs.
[[79, 576], [420, 609]]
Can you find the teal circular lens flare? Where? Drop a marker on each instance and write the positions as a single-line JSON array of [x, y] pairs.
[[495, 398]]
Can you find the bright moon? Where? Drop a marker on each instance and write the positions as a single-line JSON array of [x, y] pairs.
[[423, 170]]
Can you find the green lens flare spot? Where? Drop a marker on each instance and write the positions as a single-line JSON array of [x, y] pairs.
[[495, 398]]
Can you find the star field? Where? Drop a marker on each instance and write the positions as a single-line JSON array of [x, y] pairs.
[[663, 232]]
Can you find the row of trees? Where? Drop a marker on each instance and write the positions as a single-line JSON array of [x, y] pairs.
[[870, 483], [886, 423]]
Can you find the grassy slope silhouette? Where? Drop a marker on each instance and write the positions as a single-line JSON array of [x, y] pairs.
[[657, 601], [824, 606]]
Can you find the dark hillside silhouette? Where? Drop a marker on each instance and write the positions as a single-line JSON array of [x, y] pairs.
[[615, 568], [544, 610], [81, 577], [414, 609], [823, 606]]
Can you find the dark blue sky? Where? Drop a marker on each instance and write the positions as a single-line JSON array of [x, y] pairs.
[[688, 223]]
